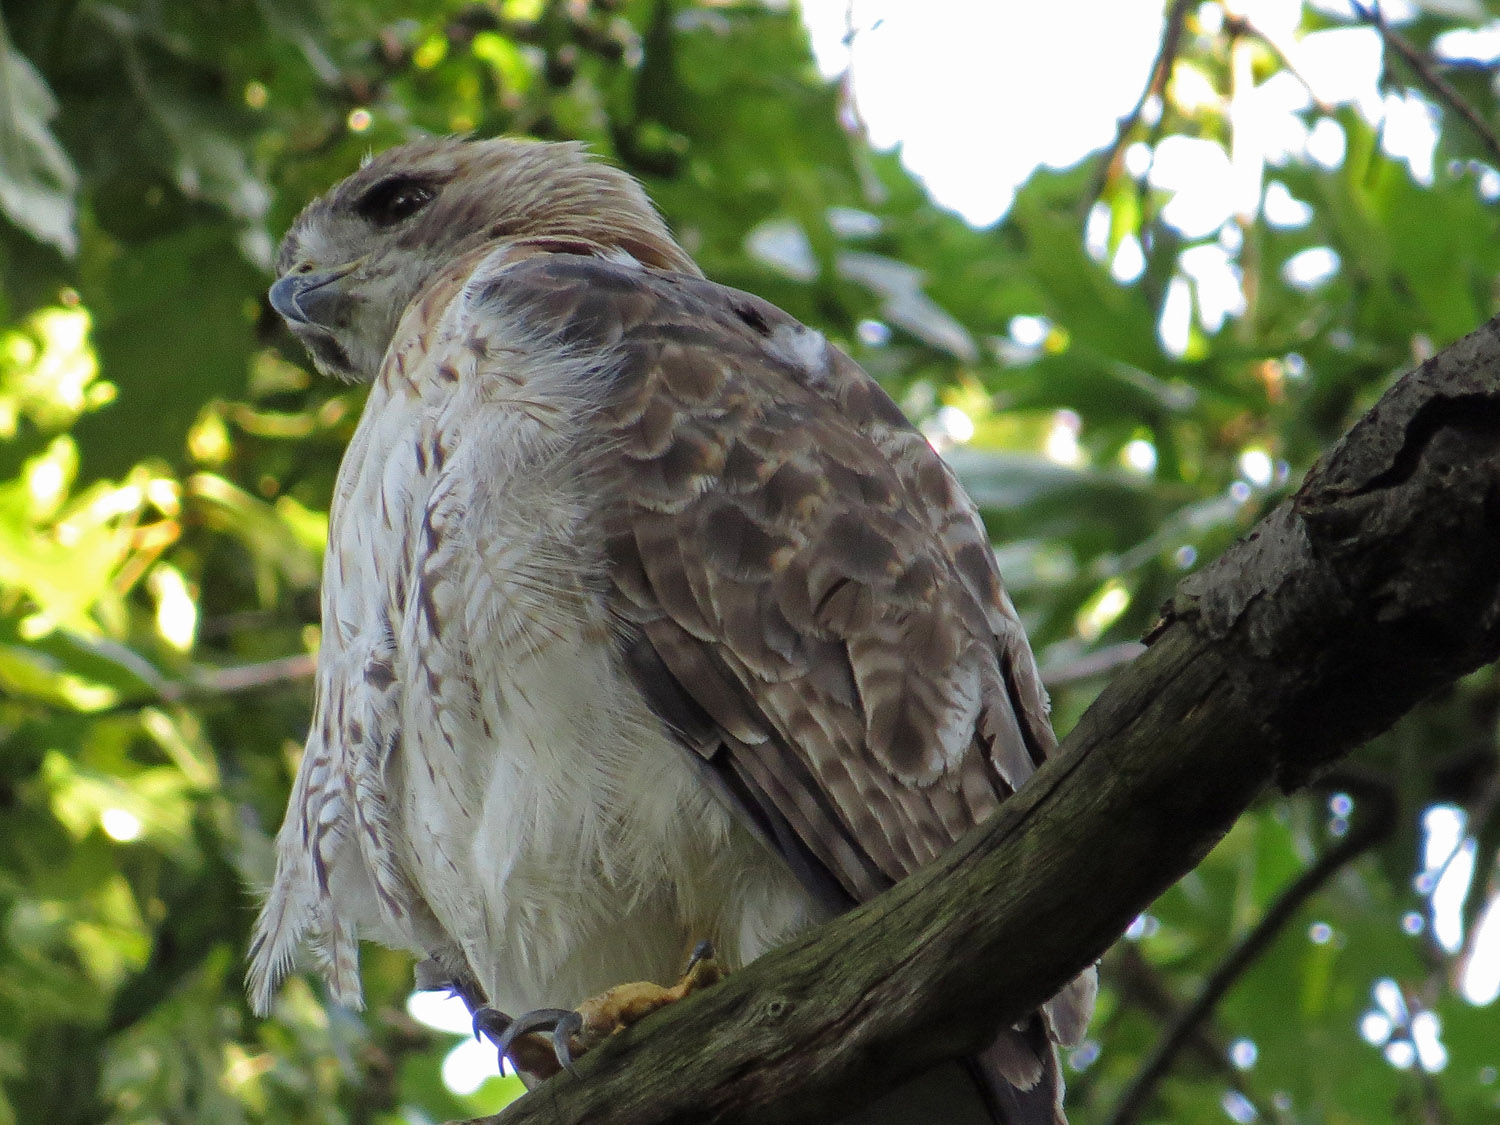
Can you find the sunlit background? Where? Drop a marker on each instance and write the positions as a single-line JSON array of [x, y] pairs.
[[975, 95]]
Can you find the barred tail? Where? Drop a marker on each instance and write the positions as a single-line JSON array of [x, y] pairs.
[[287, 920], [283, 923]]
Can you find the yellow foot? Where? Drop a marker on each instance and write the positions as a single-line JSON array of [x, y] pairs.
[[576, 1033], [610, 1012]]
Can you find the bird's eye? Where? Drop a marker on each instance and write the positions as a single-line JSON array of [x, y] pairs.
[[390, 201]]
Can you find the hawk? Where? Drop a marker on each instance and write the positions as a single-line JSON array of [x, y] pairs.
[[648, 619]]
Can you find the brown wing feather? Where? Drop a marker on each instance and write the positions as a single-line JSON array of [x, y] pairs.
[[805, 596], [804, 569]]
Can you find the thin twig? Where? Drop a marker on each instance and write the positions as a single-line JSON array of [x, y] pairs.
[[1377, 803], [1065, 672], [1156, 84], [1433, 1109], [203, 684], [1140, 986], [208, 683], [1440, 86], [1285, 52]]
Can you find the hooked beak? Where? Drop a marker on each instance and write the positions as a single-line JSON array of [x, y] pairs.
[[310, 297]]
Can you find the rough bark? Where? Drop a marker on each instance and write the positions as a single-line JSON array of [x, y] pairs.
[[1375, 584]]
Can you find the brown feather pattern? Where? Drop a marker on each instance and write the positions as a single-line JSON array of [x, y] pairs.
[[803, 565]]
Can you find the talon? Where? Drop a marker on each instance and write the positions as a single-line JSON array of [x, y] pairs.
[[529, 1055], [540, 1020], [703, 951], [703, 969], [562, 1039], [491, 1022]]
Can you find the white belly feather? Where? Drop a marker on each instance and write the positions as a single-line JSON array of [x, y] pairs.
[[483, 785]]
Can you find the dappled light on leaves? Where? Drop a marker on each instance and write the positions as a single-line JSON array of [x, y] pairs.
[[176, 608], [1480, 983], [48, 370], [120, 824], [1102, 610]]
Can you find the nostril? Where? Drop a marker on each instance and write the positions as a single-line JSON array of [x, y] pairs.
[[303, 266]]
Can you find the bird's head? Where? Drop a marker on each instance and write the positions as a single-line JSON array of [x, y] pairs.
[[357, 256]]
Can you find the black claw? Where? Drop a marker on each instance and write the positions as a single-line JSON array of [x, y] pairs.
[[703, 951], [491, 1022], [562, 1039], [542, 1019]]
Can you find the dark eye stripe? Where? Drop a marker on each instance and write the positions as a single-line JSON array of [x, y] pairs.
[[392, 200]]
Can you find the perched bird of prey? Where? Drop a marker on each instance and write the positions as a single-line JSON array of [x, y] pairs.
[[648, 620]]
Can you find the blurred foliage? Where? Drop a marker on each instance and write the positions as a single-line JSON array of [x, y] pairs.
[[166, 462]]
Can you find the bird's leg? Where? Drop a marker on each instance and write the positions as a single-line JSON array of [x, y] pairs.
[[611, 1012], [597, 1018]]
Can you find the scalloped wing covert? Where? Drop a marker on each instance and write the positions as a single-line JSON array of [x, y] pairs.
[[808, 597]]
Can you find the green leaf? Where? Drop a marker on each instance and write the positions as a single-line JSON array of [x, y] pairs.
[[38, 183]]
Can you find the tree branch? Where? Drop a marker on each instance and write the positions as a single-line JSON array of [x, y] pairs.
[[1375, 584], [1427, 73], [1377, 819]]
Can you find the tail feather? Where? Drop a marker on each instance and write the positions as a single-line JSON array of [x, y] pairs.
[[1038, 1102], [1015, 1057], [337, 950], [279, 930], [1068, 1012], [978, 1090], [286, 922]]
